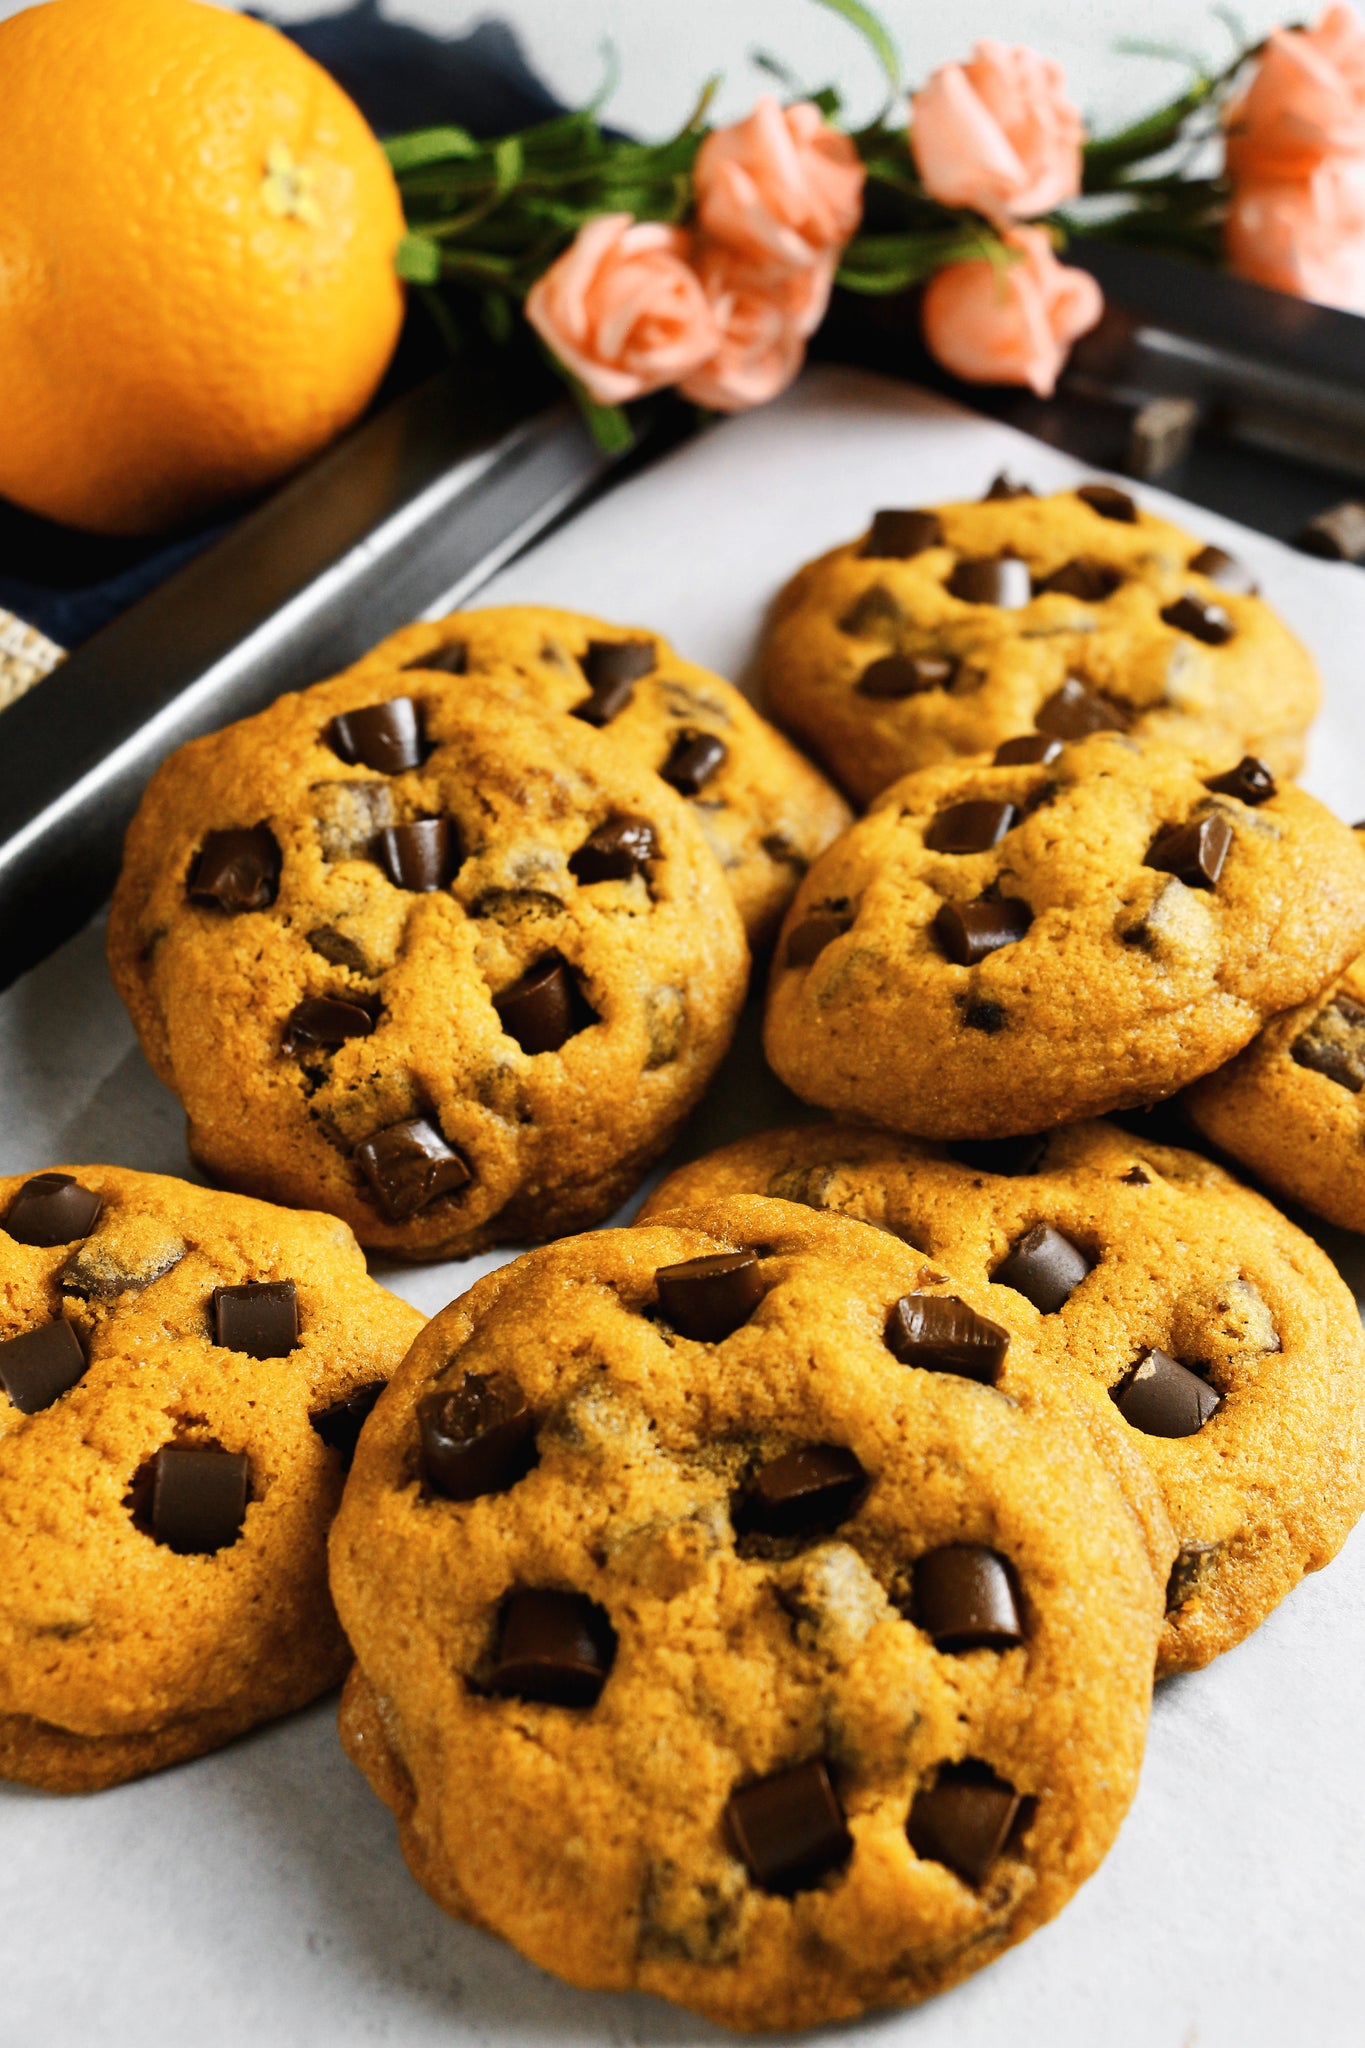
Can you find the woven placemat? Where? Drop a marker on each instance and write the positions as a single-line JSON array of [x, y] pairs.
[[26, 656]]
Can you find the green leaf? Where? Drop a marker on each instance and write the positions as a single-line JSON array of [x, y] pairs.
[[428, 146], [874, 32], [508, 162], [609, 425], [417, 259], [497, 316]]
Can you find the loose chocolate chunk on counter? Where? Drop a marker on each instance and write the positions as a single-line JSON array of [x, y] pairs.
[[324, 1021], [1045, 1267], [906, 675], [37, 1367], [968, 932], [557, 1648], [421, 856], [340, 1425], [615, 851], [1334, 1044], [1188, 1573], [409, 1166], [260, 1319], [1225, 570], [544, 1007], [198, 1497], [613, 668], [964, 1598], [478, 1437], [895, 536], [1251, 781], [1001, 580], [1160, 434], [451, 658], [52, 1209], [1193, 852], [386, 737], [809, 939], [964, 1819], [236, 870], [971, 827], [1008, 1156], [1109, 502], [940, 1333], [1073, 713], [1004, 489], [692, 761], [1201, 618], [806, 1491], [789, 1828], [1029, 750], [1162, 1397], [1338, 534], [1084, 578], [708, 1298]]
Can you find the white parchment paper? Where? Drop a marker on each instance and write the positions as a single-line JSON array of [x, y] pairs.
[[257, 1896]]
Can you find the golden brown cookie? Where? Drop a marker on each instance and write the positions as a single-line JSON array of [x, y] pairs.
[[765, 811], [998, 949], [705, 1648], [182, 1378], [447, 965], [1219, 1337], [942, 633]]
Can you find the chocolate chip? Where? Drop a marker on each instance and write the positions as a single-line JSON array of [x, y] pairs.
[[339, 949], [1338, 534], [236, 870], [1136, 1177], [386, 737], [1008, 1156], [906, 675], [1334, 1044], [1029, 750], [1193, 852], [544, 1007], [1251, 781], [967, 932], [615, 851], [964, 1819], [971, 827], [1085, 578], [1201, 618], [895, 536], [198, 1497], [557, 1648], [804, 1492], [102, 1268], [939, 1333], [1225, 570], [1073, 713], [340, 1425], [1004, 490], [324, 1021], [983, 1016], [40, 1365], [710, 1297], [788, 1828], [451, 658], [409, 1166], [260, 1319], [1045, 1267], [421, 856], [52, 1209], [809, 939], [694, 759], [1109, 502], [1001, 580], [477, 1437], [1188, 1573], [1162, 1397], [613, 668], [964, 1598], [872, 612]]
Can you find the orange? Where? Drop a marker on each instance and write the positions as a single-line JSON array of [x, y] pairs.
[[197, 288]]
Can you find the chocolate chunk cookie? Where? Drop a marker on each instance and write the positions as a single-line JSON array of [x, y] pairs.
[[736, 1658], [765, 811], [450, 966], [182, 1378], [995, 949], [1155, 1287], [945, 632]]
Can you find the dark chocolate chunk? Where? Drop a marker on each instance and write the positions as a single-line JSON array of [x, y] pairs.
[[451, 658], [1251, 781], [1160, 434], [340, 1425], [557, 1648], [544, 1007], [939, 1333], [1191, 1568], [340, 949], [324, 1021], [1193, 852], [1338, 534], [964, 1598], [895, 536], [236, 870], [1004, 489], [613, 668], [1109, 502], [967, 932], [906, 675], [260, 1319], [963, 1819], [710, 1297], [421, 856], [693, 760], [789, 1828], [1001, 580], [1008, 1156], [409, 1166], [52, 1209], [1225, 570], [1073, 713], [872, 612], [1085, 578], [40, 1365], [978, 1015], [809, 939], [477, 1437], [971, 827], [1045, 1267], [386, 737], [1162, 1397], [615, 851], [1201, 618], [804, 1492], [102, 1268], [198, 1497], [1029, 750], [1334, 1043]]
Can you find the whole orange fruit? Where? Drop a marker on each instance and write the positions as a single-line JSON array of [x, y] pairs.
[[197, 287]]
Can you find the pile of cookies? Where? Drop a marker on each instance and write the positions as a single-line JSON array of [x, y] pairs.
[[758, 1604]]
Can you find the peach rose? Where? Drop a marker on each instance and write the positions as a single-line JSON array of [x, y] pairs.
[[763, 322], [783, 188], [1305, 102], [623, 309], [998, 134], [1304, 235], [996, 323]]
